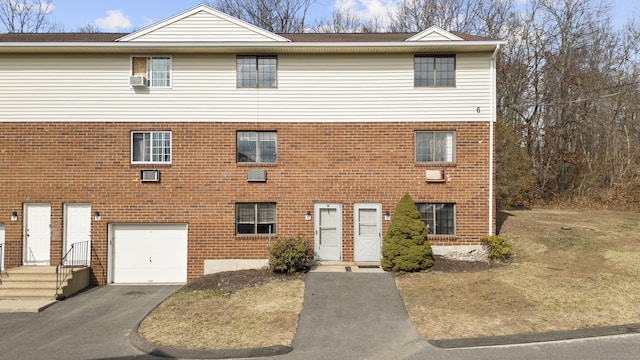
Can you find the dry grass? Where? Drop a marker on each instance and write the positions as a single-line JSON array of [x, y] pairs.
[[572, 270], [218, 319]]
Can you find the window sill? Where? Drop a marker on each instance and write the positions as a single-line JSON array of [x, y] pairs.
[[255, 236], [256, 164], [441, 237], [147, 165], [435, 164]]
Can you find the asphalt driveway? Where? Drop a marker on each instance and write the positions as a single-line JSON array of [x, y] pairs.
[[92, 325], [345, 316]]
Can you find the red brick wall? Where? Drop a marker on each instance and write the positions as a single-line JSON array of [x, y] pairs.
[[345, 163]]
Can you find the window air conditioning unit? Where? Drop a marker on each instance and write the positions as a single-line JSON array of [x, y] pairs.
[[256, 175], [435, 176], [137, 81], [150, 175]]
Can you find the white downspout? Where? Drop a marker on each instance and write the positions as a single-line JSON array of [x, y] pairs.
[[492, 122]]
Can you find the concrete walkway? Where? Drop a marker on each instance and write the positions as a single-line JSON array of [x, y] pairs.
[[350, 315]]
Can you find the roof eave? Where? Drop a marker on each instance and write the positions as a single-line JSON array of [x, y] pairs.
[[225, 47]]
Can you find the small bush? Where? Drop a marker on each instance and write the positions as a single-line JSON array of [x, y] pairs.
[[499, 248], [405, 245], [289, 255]]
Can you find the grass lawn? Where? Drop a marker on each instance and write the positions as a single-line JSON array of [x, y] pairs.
[[572, 269]]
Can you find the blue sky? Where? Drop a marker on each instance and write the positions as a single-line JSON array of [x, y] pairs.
[[124, 15]]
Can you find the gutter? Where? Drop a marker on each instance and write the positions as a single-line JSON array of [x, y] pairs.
[[275, 47], [492, 122]]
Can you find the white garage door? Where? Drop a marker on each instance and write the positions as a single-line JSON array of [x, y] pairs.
[[144, 253]]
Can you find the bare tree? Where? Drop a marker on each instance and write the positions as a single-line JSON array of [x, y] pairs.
[[277, 16], [89, 28], [26, 16], [417, 15]]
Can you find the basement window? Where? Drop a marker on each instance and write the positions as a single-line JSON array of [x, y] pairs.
[[255, 218], [439, 219]]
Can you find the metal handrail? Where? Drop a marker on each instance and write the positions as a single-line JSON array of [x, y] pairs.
[[1, 257], [75, 257]]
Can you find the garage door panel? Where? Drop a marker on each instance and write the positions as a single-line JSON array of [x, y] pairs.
[[144, 253]]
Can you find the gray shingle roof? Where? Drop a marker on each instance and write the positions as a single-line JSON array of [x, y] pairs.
[[306, 37]]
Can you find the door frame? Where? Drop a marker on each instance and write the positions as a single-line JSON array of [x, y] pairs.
[[65, 228], [2, 249], [316, 227], [25, 235], [378, 208]]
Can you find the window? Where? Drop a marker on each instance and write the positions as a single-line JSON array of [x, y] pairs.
[[256, 146], [255, 218], [156, 69], [435, 71], [150, 147], [438, 218], [256, 71], [434, 146]]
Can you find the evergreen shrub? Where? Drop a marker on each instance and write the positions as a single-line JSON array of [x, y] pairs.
[[405, 245], [499, 249]]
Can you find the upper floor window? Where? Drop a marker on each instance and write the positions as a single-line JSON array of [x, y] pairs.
[[148, 147], [255, 218], [434, 146], [256, 146], [439, 219], [156, 70], [256, 71], [432, 70]]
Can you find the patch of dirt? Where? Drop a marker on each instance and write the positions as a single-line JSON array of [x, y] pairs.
[[444, 264], [234, 281]]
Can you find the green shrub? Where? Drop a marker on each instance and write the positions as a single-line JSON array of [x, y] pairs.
[[405, 245], [289, 255], [499, 248]]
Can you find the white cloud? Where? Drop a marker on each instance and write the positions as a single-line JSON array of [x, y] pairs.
[[115, 20], [378, 10]]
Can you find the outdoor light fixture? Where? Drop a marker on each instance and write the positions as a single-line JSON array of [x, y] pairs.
[[97, 216], [307, 216], [14, 216], [387, 216]]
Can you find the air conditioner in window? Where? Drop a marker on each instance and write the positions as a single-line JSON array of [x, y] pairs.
[[150, 175], [435, 175], [257, 175], [137, 81]]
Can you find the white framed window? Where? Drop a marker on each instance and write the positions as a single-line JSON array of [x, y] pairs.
[[434, 146], [434, 71], [155, 69], [256, 71], [255, 218], [256, 146], [439, 219], [151, 147]]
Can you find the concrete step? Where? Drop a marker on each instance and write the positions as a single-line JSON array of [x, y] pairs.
[[31, 269], [27, 293], [28, 277], [29, 284]]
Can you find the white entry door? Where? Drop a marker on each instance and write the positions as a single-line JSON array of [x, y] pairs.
[[328, 232], [367, 242], [2, 247], [37, 234], [77, 232]]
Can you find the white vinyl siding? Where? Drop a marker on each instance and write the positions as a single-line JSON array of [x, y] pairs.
[[202, 26], [311, 88]]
